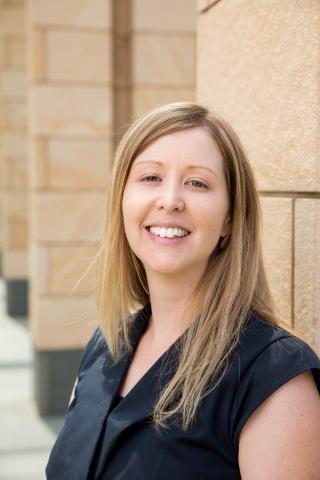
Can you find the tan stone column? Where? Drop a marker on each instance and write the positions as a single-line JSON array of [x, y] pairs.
[[163, 52], [14, 177], [258, 65], [71, 126], [154, 56]]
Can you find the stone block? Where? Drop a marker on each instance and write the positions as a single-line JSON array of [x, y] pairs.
[[14, 52], [79, 56], [70, 110], [12, 21], [38, 159], [2, 116], [307, 270], [14, 174], [258, 66], [14, 205], [163, 59], [61, 270], [2, 53], [37, 54], [72, 269], [79, 163], [75, 13], [13, 84], [81, 221], [14, 264], [122, 60], [18, 235], [14, 114], [167, 15], [38, 268], [277, 249], [13, 3], [14, 145], [59, 323], [145, 98]]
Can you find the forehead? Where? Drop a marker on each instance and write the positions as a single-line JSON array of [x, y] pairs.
[[193, 145]]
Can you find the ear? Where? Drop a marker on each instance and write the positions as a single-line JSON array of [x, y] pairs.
[[227, 224]]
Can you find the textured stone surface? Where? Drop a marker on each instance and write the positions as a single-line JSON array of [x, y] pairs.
[[144, 98], [307, 269], [65, 110], [18, 234], [12, 21], [13, 152], [163, 59], [14, 264], [167, 15], [13, 84], [14, 174], [62, 322], [79, 164], [14, 114], [37, 54], [72, 270], [65, 269], [71, 125], [277, 248], [67, 217], [258, 65], [72, 164], [76, 13], [14, 144], [79, 56], [14, 52], [14, 204]]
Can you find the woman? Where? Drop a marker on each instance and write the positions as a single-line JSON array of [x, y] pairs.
[[190, 375]]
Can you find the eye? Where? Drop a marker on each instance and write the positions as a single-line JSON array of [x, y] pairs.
[[150, 178], [198, 184]]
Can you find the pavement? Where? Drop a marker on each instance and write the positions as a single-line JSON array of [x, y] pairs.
[[26, 439]]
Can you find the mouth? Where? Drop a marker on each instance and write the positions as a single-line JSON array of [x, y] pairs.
[[171, 232]]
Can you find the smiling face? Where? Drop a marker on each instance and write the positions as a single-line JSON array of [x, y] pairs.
[[175, 203]]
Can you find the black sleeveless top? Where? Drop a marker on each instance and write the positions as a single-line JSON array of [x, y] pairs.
[[98, 457], [108, 438]]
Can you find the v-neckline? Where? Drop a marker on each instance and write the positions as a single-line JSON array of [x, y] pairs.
[[143, 316]]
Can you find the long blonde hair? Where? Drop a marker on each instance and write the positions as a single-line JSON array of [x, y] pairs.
[[233, 284]]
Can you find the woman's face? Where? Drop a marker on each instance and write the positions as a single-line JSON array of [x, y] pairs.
[[175, 203]]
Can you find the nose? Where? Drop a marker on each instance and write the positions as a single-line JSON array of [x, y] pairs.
[[170, 198]]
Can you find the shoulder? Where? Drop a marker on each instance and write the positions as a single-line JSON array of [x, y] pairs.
[[266, 345], [284, 433], [267, 358], [95, 347]]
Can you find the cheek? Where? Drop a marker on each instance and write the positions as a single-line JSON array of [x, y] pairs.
[[132, 210], [213, 219]]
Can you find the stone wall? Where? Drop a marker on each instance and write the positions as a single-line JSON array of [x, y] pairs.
[[258, 66], [71, 141], [13, 155], [93, 67]]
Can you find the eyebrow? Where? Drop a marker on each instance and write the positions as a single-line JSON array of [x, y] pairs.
[[188, 166]]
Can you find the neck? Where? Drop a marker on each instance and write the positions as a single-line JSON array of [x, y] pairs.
[[168, 298]]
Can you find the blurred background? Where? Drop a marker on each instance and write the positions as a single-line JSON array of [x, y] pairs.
[[73, 75]]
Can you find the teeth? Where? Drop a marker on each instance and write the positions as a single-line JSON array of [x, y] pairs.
[[168, 232]]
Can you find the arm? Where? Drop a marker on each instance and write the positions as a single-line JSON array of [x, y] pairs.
[[281, 439]]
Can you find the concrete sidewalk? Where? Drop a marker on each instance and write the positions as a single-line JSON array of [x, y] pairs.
[[25, 438]]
